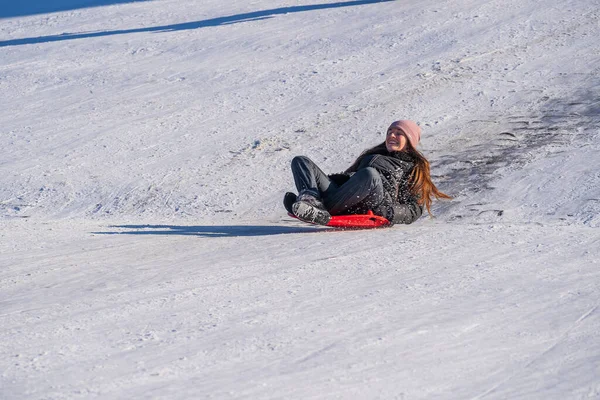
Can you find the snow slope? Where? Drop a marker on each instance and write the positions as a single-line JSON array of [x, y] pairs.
[[144, 251]]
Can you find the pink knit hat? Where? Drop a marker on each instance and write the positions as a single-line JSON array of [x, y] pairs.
[[410, 129]]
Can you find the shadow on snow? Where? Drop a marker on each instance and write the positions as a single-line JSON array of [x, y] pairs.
[[560, 124], [11, 8], [232, 19], [209, 230]]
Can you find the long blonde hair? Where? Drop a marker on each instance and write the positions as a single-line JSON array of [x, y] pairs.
[[420, 184], [420, 181]]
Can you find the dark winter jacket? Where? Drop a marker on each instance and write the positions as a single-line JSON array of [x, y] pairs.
[[399, 205]]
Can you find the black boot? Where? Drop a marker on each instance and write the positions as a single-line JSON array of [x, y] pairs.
[[288, 200], [309, 208]]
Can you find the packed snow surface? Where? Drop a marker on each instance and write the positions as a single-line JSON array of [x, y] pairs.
[[144, 249]]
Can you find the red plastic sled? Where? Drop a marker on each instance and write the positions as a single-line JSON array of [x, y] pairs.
[[357, 221]]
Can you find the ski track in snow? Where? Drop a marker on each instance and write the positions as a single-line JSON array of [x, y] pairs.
[[144, 251]]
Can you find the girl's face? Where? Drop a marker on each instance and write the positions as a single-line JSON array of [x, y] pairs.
[[395, 140]]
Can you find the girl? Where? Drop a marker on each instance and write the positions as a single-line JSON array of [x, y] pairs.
[[391, 179]]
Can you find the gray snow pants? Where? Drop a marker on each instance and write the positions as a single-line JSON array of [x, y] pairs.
[[362, 192]]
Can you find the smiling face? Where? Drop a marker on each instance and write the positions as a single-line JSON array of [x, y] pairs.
[[395, 139]]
